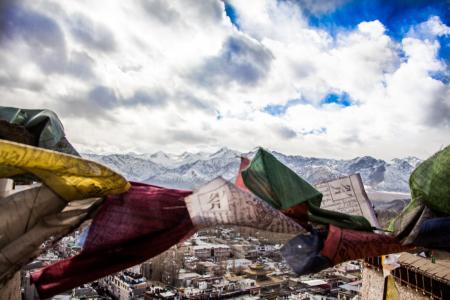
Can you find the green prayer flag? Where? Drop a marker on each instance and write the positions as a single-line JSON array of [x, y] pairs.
[[45, 122], [42, 125], [282, 188], [430, 189], [430, 182], [276, 184]]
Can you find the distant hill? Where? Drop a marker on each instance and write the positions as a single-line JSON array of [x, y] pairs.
[[189, 170]]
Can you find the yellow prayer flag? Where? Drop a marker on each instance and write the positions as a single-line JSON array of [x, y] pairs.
[[390, 289], [69, 176]]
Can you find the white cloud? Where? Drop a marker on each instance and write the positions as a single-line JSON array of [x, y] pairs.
[[154, 75]]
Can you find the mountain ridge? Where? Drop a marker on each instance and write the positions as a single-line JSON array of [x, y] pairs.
[[190, 170]]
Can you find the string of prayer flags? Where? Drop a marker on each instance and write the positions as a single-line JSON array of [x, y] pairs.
[[282, 188]]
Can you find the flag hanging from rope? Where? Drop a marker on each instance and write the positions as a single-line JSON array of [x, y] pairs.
[[128, 229], [430, 196], [345, 244], [283, 189], [69, 176], [220, 202]]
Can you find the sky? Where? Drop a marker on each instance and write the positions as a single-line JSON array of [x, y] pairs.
[[335, 79]]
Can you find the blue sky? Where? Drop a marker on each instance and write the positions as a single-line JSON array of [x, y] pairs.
[[334, 78]]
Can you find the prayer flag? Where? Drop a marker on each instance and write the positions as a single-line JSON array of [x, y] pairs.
[[69, 176], [282, 188], [127, 230]]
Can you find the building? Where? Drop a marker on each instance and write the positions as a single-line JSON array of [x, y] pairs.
[[216, 251], [244, 250], [416, 278], [185, 278], [237, 264], [207, 267], [125, 285]]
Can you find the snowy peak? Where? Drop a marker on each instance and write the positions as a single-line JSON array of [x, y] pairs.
[[190, 170], [224, 153]]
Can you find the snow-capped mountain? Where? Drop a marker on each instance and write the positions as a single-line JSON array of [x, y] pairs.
[[189, 170]]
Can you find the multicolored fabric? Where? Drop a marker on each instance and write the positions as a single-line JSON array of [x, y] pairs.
[[302, 253], [220, 202], [346, 244], [282, 188], [128, 229], [69, 176], [299, 213]]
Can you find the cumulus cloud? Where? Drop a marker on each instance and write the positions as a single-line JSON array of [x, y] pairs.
[[157, 75], [241, 60], [91, 34]]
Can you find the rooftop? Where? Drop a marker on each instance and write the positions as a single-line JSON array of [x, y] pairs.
[[440, 270], [314, 282]]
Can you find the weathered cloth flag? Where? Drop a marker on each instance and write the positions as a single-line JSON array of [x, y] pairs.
[[283, 189], [43, 128], [302, 253], [430, 193], [323, 249], [70, 177], [30, 217], [239, 180], [128, 229], [434, 234], [346, 244], [220, 202]]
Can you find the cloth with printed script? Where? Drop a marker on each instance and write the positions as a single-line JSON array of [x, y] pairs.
[[71, 177], [283, 189], [31, 216], [127, 230], [37, 127], [220, 202]]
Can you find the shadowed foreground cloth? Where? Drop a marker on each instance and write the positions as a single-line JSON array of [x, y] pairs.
[[15, 133], [38, 127], [312, 253], [434, 234], [302, 253], [28, 218], [346, 244], [128, 229], [430, 192], [71, 177]]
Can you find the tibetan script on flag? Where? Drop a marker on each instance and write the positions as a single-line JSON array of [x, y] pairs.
[[347, 195]]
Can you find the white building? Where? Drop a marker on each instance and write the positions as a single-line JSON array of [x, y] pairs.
[[238, 263], [125, 285], [216, 251]]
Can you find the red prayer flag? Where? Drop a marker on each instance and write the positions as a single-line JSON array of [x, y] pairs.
[[129, 229], [239, 180], [347, 244]]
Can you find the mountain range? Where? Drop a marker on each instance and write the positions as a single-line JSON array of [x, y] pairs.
[[190, 170]]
